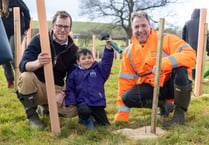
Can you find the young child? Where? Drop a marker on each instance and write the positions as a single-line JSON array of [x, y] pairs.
[[85, 86]]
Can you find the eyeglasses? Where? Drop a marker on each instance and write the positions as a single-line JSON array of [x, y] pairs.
[[59, 27]]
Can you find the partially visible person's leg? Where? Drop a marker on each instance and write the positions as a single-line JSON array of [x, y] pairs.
[[166, 93], [141, 96], [30, 91], [84, 113], [10, 66], [193, 73], [12, 45], [9, 74], [182, 95], [43, 107], [138, 95], [100, 116], [63, 110]]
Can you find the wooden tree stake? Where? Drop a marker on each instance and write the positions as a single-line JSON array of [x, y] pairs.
[[30, 31], [17, 42], [94, 46], [44, 38], [157, 77], [200, 52]]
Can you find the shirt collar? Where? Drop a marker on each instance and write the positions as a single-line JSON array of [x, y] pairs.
[[66, 42], [81, 67]]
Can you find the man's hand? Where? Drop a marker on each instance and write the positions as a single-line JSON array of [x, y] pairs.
[[60, 97], [43, 58]]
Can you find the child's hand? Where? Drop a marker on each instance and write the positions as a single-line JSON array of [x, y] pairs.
[[60, 97], [108, 46]]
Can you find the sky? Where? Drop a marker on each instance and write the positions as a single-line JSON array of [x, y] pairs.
[[182, 10], [71, 6]]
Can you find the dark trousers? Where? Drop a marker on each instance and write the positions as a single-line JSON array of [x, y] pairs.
[[9, 66], [193, 73], [137, 95], [98, 113], [8, 71]]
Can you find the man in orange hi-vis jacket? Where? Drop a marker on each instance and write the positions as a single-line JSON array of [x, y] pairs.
[[136, 80]]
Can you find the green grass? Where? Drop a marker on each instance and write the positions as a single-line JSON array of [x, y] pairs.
[[14, 128]]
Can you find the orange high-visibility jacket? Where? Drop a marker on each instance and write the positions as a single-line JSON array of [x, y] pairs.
[[139, 60]]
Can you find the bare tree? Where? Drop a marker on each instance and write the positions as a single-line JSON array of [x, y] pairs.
[[119, 11]]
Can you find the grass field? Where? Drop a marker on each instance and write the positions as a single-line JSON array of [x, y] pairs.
[[14, 128]]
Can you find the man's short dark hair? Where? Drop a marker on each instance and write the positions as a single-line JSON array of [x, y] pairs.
[[62, 15], [83, 51]]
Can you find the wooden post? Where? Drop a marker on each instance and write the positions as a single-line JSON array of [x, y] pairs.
[[98, 54], [22, 46], [204, 56], [17, 41], [94, 46], [200, 52], [30, 31], [76, 41], [44, 38], [157, 77]]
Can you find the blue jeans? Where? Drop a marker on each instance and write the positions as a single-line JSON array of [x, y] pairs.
[[9, 66]]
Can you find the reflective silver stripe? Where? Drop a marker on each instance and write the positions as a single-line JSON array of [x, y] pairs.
[[164, 54], [178, 50], [173, 61], [123, 108], [132, 76], [145, 73], [128, 51], [129, 54], [182, 47], [128, 76]]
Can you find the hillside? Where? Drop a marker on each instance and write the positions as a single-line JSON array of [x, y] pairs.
[[92, 28]]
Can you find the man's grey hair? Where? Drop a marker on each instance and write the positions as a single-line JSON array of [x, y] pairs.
[[140, 14]]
